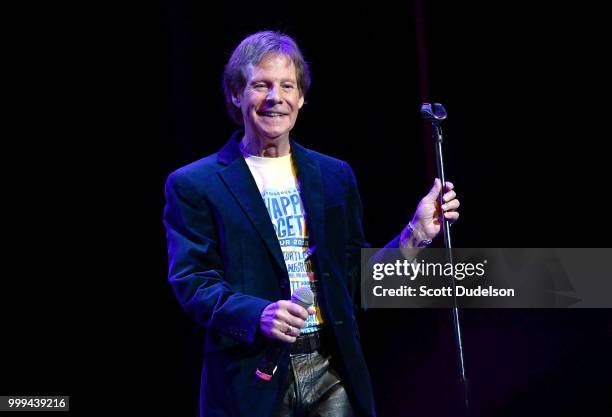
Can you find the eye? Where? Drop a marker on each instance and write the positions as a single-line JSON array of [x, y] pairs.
[[259, 86], [288, 86]]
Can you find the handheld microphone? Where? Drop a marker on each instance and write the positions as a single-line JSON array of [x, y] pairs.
[[302, 296]]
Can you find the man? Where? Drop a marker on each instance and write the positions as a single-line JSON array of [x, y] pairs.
[[261, 217]]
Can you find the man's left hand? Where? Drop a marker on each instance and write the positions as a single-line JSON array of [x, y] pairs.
[[426, 219]]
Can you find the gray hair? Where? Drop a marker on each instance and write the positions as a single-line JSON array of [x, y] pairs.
[[252, 50]]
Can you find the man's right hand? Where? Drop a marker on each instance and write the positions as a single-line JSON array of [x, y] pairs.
[[283, 320]]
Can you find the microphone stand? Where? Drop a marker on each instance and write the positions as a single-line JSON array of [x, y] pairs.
[[436, 114]]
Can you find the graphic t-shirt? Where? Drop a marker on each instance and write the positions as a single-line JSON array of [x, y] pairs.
[[277, 182]]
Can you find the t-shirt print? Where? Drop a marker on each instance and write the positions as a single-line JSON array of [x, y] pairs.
[[289, 221]]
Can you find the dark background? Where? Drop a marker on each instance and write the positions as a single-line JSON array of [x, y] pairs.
[[106, 102]]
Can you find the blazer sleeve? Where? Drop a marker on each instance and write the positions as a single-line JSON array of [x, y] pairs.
[[355, 239], [196, 269]]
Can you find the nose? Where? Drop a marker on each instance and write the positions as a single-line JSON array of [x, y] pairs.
[[274, 95]]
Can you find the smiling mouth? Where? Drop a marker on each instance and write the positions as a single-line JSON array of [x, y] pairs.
[[271, 114]]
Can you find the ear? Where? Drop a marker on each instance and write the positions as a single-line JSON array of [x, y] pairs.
[[300, 102], [236, 101]]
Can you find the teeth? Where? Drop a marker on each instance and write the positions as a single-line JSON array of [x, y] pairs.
[[272, 114]]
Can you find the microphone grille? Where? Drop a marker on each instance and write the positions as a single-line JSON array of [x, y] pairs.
[[303, 296]]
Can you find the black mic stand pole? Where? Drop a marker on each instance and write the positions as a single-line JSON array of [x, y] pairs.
[[436, 114]]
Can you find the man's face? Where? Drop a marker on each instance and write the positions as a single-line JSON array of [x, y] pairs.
[[271, 98]]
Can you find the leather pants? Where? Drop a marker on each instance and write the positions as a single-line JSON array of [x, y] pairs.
[[313, 389]]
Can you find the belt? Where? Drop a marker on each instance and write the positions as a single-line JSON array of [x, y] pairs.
[[307, 343]]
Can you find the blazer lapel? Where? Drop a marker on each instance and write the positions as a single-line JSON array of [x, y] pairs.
[[238, 178], [311, 190]]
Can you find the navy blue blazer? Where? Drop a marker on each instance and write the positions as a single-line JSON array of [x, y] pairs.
[[226, 266]]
